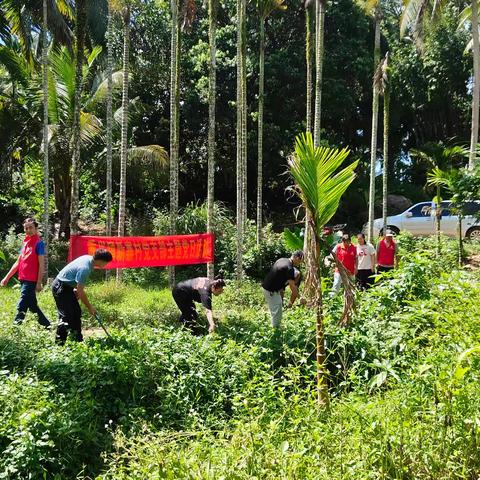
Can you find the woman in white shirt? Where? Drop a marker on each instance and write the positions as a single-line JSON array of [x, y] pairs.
[[366, 262]]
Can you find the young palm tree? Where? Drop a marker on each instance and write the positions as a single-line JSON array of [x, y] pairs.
[[80, 31], [264, 9], [320, 184], [46, 169], [437, 156], [212, 87]]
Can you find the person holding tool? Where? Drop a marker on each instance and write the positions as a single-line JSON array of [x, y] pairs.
[[282, 273], [198, 290], [30, 266], [69, 286]]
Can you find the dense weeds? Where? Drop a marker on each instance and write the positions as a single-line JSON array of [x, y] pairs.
[[155, 402]]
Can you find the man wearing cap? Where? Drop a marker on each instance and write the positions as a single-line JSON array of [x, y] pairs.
[[347, 255], [282, 273], [387, 258]]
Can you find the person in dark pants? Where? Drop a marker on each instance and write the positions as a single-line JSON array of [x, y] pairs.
[[387, 253], [198, 290], [68, 288], [281, 274], [366, 262], [31, 267]]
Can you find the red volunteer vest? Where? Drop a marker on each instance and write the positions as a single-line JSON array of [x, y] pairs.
[[28, 266], [386, 253], [347, 257]]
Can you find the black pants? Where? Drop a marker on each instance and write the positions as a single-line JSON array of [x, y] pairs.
[[189, 314], [381, 269], [364, 279], [28, 301], [69, 312]]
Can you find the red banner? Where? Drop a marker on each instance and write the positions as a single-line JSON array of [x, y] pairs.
[[134, 252]]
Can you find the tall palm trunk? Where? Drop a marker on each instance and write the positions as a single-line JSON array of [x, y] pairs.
[[241, 134], [373, 148], [311, 286], [476, 85], [46, 169], [80, 26], [109, 121], [322, 384], [319, 52], [438, 217], [460, 239], [212, 87], [309, 43], [174, 122], [386, 128], [124, 133], [261, 82]]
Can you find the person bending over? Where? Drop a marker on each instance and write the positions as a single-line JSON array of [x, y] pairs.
[[30, 266], [69, 287], [282, 273], [198, 290]]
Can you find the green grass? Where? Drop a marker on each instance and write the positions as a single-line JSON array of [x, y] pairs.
[[154, 402]]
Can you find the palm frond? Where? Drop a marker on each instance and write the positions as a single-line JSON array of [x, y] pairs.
[[319, 184], [90, 128], [266, 7], [189, 10], [14, 64], [154, 156], [100, 93]]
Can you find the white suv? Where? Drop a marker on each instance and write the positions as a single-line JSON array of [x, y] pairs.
[[419, 220]]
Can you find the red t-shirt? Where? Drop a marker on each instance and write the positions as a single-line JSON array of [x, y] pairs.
[[346, 256], [386, 253]]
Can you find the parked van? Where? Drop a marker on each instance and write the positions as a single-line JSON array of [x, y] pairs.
[[420, 220]]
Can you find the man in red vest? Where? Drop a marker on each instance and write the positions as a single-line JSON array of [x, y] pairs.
[[347, 256], [387, 258], [31, 267]]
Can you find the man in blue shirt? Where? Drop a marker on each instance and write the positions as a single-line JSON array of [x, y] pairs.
[[68, 288]]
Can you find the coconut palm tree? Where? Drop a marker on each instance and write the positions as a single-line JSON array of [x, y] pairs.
[[264, 9], [61, 101], [212, 87], [320, 184], [25, 18]]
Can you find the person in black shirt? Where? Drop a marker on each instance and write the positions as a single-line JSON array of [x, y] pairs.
[[197, 290], [281, 274]]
